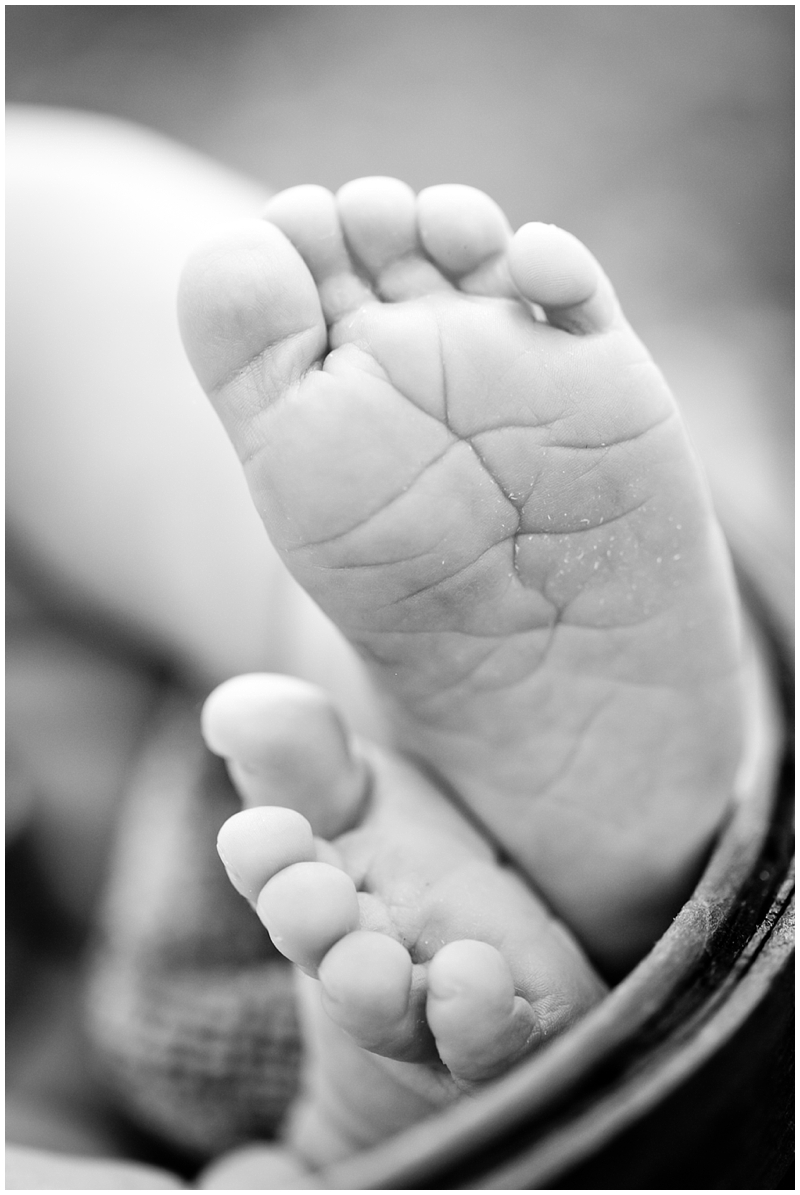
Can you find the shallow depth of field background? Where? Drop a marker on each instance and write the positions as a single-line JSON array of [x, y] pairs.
[[662, 136]]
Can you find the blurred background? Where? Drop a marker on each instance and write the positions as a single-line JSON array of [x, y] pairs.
[[662, 136]]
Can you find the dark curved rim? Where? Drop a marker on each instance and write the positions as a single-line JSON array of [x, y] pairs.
[[539, 1120], [534, 1124]]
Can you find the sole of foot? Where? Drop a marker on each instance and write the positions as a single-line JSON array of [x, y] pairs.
[[468, 459], [424, 949]]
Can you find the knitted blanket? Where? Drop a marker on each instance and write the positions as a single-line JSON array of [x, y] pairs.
[[190, 1009]]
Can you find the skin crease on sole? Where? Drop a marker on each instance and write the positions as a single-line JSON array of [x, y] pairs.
[[465, 455], [419, 947]]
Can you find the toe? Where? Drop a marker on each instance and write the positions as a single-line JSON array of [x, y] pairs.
[[379, 218], [256, 844], [480, 1025], [554, 269], [371, 989], [251, 321], [466, 234], [306, 908], [286, 745], [308, 216]]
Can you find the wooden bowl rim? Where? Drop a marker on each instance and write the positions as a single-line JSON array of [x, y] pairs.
[[744, 890]]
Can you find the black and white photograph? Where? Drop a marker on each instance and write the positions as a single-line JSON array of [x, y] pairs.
[[399, 597]]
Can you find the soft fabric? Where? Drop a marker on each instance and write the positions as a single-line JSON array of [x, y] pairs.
[[190, 1008]]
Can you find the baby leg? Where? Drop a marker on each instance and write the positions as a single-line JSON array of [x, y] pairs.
[[121, 491]]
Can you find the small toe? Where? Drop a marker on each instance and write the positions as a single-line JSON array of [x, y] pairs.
[[554, 269], [480, 1025], [379, 218], [308, 216], [466, 234], [256, 844], [286, 745], [306, 908], [372, 990]]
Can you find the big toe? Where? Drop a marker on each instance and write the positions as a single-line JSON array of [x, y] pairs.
[[286, 745], [251, 321]]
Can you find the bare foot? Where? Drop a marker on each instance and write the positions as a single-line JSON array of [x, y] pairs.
[[465, 455], [417, 945]]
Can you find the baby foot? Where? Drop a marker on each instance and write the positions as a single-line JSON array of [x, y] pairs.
[[421, 947], [469, 460]]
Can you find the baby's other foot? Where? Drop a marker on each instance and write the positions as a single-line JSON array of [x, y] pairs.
[[469, 460], [419, 947]]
